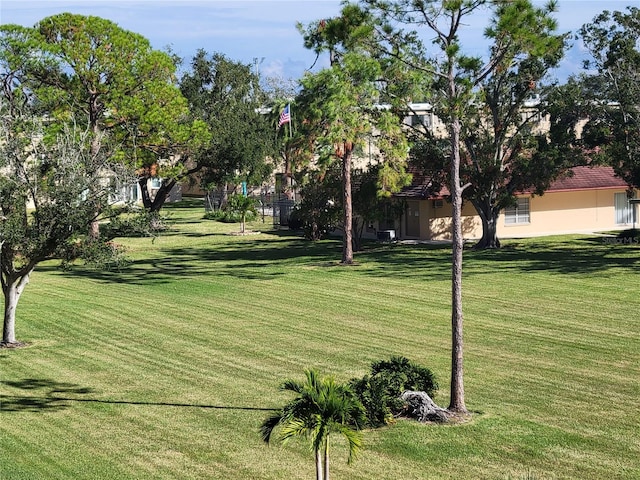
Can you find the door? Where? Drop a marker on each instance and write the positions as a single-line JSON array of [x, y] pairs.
[[412, 219]]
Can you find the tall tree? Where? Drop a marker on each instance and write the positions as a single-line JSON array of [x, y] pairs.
[[226, 96], [613, 80], [321, 407], [456, 92], [503, 141], [114, 81], [45, 173], [339, 104]]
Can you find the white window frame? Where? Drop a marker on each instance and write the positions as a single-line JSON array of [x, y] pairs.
[[624, 210], [518, 214], [156, 182]]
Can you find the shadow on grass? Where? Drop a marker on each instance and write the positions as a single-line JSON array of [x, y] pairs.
[[56, 396], [31, 403], [261, 259], [247, 258], [579, 255], [165, 404]]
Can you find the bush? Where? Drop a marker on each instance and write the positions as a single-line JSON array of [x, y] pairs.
[[232, 212], [96, 254], [380, 391], [315, 220], [140, 224]]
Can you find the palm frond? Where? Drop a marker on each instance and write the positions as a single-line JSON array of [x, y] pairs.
[[268, 426]]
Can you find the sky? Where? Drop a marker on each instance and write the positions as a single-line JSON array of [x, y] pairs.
[[261, 32]]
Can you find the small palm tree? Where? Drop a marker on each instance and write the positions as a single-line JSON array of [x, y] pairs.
[[243, 205], [321, 407]]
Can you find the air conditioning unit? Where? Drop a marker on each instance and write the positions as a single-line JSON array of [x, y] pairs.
[[386, 235]]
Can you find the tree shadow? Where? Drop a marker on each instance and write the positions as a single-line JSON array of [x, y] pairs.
[[53, 395], [242, 258], [47, 398], [166, 404], [583, 255], [259, 260]]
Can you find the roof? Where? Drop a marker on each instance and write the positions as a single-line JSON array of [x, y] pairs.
[[588, 178], [579, 178]]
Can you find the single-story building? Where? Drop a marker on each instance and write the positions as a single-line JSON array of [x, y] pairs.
[[591, 199]]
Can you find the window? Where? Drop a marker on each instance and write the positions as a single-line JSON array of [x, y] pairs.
[[518, 213], [624, 210], [156, 182], [127, 194]]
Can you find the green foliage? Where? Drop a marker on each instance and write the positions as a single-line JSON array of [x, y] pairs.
[[89, 70], [339, 107], [241, 203], [226, 96], [238, 209], [136, 224], [224, 216], [370, 204], [484, 99], [318, 214], [612, 87], [320, 408], [379, 392], [96, 254]]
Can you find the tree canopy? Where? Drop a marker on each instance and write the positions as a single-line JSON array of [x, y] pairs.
[[227, 97], [45, 176], [85, 105], [321, 407], [611, 89], [89, 69], [340, 107], [502, 136], [457, 85]]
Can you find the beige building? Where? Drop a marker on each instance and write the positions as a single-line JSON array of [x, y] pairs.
[[593, 199]]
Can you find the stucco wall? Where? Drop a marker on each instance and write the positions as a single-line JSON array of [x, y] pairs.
[[551, 213], [567, 212]]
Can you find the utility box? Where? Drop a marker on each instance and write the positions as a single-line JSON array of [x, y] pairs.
[[386, 235]]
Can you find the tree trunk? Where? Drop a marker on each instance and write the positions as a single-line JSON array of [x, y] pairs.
[[94, 229], [326, 458], [357, 232], [143, 182], [224, 195], [161, 195], [319, 475], [457, 403], [96, 145], [489, 216], [347, 246], [12, 289]]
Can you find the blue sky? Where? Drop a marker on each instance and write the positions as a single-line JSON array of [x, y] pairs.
[[261, 31]]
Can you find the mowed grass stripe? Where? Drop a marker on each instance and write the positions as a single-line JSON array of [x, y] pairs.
[[166, 364]]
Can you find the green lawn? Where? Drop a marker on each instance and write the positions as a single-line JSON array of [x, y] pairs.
[[166, 369]]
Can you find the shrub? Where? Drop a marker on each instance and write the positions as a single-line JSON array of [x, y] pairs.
[[232, 212], [96, 254], [139, 224], [380, 391], [318, 214]]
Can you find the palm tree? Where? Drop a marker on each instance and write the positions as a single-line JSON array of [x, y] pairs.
[[321, 407], [243, 205]]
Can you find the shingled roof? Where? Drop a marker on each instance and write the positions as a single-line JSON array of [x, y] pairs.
[[580, 178], [588, 178]]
